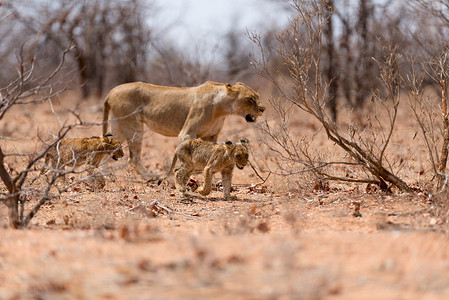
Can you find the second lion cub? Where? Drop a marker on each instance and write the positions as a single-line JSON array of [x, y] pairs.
[[75, 152], [197, 155]]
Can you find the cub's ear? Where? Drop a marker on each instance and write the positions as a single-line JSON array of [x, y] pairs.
[[106, 138], [228, 142], [228, 85], [244, 141]]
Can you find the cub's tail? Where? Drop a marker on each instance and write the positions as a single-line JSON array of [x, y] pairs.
[[172, 167]]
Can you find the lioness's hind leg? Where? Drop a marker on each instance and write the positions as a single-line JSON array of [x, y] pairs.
[[133, 132], [115, 129]]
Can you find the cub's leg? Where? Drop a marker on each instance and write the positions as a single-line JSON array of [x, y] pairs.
[[182, 175], [207, 185], [96, 179], [226, 177]]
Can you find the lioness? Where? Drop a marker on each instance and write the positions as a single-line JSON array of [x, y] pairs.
[[84, 151], [187, 112], [198, 155]]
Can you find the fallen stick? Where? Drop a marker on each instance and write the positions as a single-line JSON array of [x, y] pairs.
[[260, 177], [156, 204]]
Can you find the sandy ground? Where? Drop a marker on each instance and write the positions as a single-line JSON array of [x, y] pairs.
[[277, 240]]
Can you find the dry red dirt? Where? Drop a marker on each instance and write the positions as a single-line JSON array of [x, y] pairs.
[[279, 240]]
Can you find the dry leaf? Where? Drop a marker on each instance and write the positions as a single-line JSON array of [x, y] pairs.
[[253, 210]]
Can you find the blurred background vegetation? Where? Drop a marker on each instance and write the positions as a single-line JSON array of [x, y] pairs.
[[116, 42]]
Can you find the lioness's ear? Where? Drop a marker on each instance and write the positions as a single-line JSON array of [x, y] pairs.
[[228, 142], [228, 87]]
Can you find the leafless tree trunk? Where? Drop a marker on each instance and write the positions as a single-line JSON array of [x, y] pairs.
[[12, 202], [444, 150], [363, 59], [332, 63]]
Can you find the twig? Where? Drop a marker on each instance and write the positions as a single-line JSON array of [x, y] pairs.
[[156, 204], [260, 177]]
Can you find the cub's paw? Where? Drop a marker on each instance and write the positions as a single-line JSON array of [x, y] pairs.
[[230, 197], [203, 192]]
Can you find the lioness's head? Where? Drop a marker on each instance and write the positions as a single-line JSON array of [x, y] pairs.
[[112, 144], [246, 101], [240, 153]]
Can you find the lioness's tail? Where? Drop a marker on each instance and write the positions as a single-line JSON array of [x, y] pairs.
[[172, 167], [106, 108]]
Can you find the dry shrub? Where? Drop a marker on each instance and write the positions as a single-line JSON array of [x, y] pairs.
[[366, 149]]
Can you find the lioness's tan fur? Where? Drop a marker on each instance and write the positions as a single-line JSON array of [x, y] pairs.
[[187, 112], [75, 152], [198, 155]]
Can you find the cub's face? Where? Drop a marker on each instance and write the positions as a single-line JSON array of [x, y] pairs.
[[240, 156], [247, 103], [111, 143]]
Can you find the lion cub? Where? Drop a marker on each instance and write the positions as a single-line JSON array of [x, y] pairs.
[[83, 151], [198, 155]]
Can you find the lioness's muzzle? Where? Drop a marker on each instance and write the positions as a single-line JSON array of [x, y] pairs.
[[250, 118]]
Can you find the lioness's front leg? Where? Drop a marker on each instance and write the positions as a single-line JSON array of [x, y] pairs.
[[201, 116], [207, 184]]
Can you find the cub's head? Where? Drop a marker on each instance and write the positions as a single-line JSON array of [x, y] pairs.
[[246, 101], [112, 144], [240, 153]]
